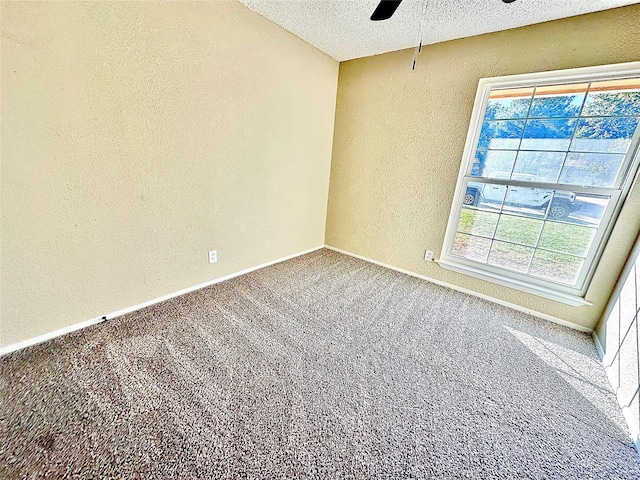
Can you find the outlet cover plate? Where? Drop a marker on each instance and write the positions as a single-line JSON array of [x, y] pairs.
[[213, 256]]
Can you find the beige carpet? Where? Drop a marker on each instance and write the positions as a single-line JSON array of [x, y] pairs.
[[324, 366]]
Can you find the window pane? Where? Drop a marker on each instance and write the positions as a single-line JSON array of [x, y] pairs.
[[477, 222], [512, 257], [473, 248], [518, 229], [493, 163], [566, 238], [502, 134], [558, 100], [548, 134], [508, 104], [563, 206], [589, 209], [613, 98], [527, 201], [485, 195], [611, 135], [538, 166], [591, 169], [556, 267]]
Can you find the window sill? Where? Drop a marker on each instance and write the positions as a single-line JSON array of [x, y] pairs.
[[566, 298]]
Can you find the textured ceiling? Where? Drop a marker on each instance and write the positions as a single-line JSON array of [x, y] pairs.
[[342, 29]]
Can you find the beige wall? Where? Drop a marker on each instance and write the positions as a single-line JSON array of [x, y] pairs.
[[400, 136], [136, 137]]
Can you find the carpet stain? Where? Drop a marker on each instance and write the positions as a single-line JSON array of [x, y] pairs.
[[46, 441]]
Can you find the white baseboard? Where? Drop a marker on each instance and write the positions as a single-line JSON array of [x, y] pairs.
[[87, 323], [48, 336], [77, 326], [513, 306], [599, 346]]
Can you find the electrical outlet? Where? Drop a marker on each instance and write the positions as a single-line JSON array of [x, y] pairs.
[[428, 255], [213, 256]]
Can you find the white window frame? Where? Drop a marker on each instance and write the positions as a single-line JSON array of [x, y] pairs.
[[565, 294]]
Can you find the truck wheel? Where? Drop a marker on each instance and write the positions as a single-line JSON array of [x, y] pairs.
[[471, 197], [559, 210]]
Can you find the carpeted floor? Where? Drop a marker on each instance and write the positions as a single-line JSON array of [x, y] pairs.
[[323, 366]]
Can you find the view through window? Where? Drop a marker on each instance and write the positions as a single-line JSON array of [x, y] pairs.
[[544, 179]]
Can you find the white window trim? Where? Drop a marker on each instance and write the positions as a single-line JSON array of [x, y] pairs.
[[567, 295], [540, 291]]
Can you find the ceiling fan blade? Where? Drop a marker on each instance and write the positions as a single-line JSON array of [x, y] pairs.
[[385, 9]]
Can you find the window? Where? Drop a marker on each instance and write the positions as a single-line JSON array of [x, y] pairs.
[[549, 160], [622, 338]]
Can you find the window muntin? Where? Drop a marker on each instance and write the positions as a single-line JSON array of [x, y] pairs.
[[544, 178]]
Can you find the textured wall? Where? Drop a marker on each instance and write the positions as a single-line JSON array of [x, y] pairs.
[[136, 137], [400, 136]]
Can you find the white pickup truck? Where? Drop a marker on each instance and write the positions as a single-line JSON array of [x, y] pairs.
[[562, 205]]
